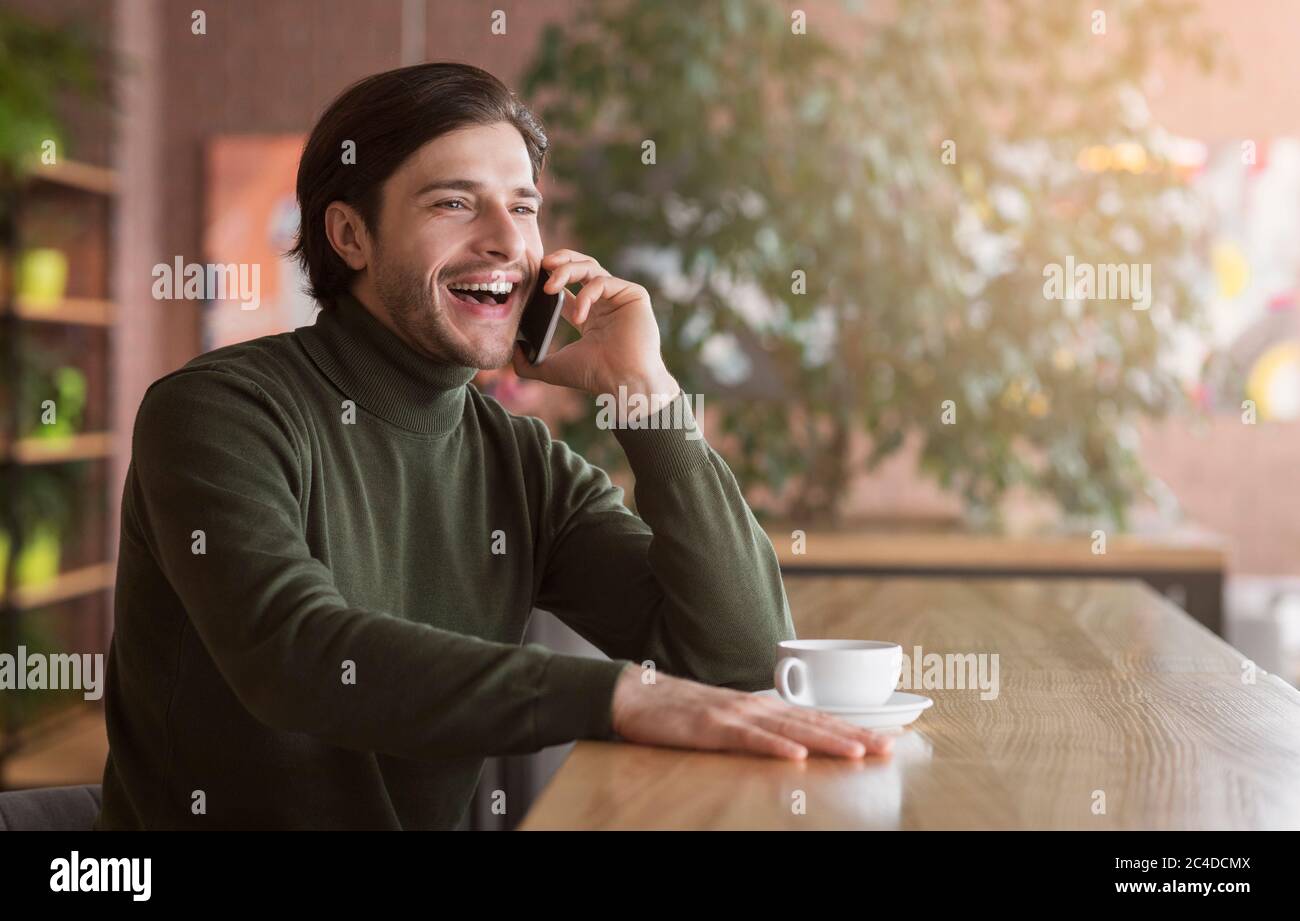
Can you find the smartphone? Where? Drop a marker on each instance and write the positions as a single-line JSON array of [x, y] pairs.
[[540, 318]]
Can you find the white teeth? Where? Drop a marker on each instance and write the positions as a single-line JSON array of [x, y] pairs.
[[493, 287]]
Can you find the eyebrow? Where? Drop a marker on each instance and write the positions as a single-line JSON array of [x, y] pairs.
[[469, 185]]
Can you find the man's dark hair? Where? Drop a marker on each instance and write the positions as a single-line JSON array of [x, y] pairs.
[[388, 117]]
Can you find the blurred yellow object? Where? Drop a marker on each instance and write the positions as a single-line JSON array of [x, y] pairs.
[[1130, 156], [1231, 269], [1274, 383], [1038, 406], [1095, 159], [38, 563], [42, 277]]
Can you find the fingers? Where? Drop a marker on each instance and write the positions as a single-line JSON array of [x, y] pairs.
[[617, 293], [685, 714], [874, 741], [569, 267], [573, 270], [834, 737], [797, 722], [570, 311], [815, 737], [556, 258], [747, 737], [578, 308]]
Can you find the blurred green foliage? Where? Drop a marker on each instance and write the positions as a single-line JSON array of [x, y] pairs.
[[824, 153], [39, 64]]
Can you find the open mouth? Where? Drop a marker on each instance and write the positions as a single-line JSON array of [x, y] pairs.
[[492, 294]]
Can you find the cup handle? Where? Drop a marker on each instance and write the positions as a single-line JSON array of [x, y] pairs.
[[782, 676]]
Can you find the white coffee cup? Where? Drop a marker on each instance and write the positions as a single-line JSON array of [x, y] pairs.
[[837, 673]]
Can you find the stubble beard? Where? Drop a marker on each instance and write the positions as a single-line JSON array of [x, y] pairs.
[[416, 312]]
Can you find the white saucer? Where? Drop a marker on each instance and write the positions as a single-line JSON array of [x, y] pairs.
[[901, 708]]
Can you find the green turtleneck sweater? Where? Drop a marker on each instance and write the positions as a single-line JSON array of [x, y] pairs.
[[330, 549]]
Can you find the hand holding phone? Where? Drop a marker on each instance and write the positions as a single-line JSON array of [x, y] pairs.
[[618, 345], [539, 320]]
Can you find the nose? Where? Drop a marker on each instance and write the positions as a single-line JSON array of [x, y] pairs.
[[500, 237]]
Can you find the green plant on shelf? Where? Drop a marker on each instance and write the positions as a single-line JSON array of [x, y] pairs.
[[39, 66], [42, 68], [53, 396], [42, 277], [38, 561], [64, 404], [44, 509]]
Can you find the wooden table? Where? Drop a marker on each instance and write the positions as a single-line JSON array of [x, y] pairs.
[[1104, 688], [1185, 563]]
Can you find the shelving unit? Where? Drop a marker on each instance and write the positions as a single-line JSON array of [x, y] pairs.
[[74, 583], [84, 311], [80, 194], [84, 446]]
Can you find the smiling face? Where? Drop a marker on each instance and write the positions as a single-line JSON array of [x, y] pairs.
[[461, 210]]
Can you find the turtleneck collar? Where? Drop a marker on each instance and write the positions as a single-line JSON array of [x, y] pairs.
[[373, 366]]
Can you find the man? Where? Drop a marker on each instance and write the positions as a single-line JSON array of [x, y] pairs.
[[331, 543]]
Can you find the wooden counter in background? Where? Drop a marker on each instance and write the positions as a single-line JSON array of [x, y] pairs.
[[1185, 564], [1107, 695]]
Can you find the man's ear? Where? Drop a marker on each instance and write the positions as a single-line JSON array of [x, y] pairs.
[[347, 234]]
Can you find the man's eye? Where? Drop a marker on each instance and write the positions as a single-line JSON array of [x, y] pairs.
[[454, 201], [526, 209]]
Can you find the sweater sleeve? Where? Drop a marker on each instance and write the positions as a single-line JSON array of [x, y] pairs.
[[692, 584], [213, 453]]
